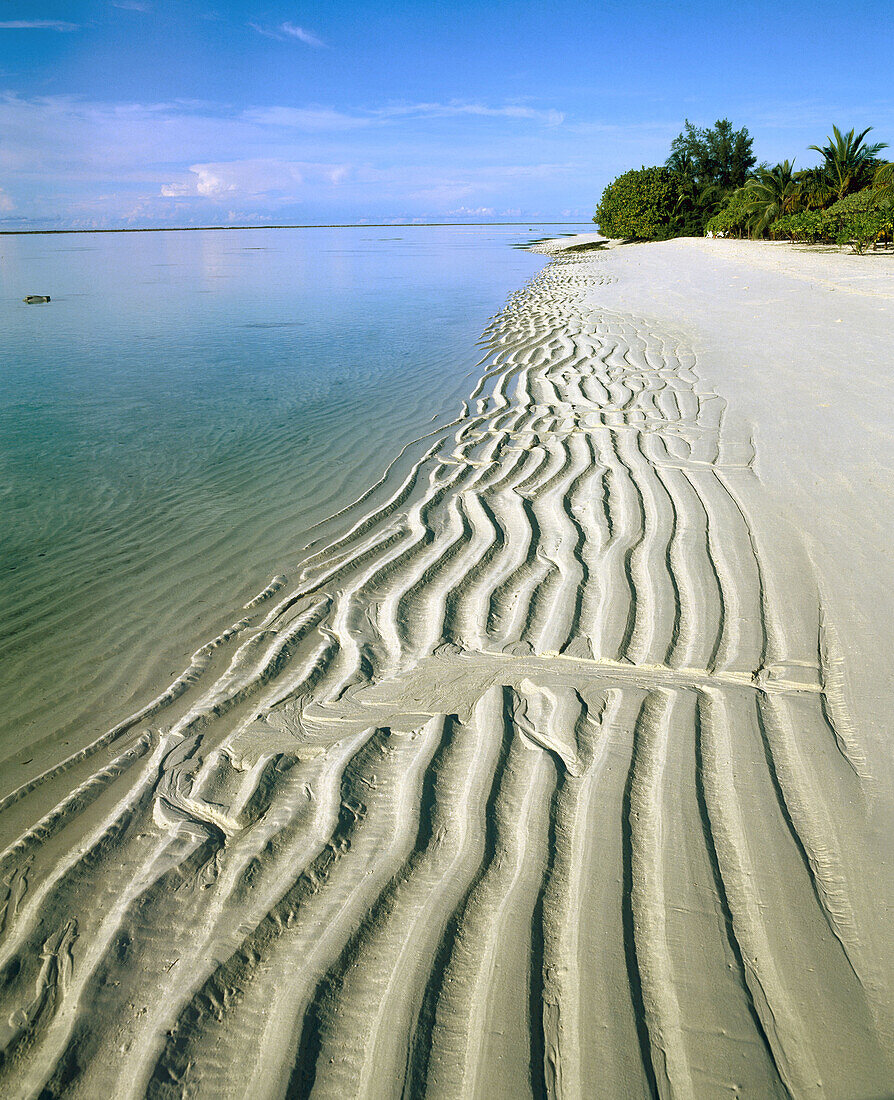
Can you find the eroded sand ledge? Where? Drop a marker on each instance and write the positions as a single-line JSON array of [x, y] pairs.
[[552, 771]]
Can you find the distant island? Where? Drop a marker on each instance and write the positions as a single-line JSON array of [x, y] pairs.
[[712, 185]]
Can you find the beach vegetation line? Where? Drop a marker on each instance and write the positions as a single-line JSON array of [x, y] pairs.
[[711, 185]]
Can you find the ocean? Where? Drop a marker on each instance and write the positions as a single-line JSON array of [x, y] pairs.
[[177, 418]]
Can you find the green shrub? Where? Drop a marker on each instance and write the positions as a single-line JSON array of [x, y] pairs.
[[863, 228], [732, 217], [867, 199], [809, 226], [859, 220], [639, 204]]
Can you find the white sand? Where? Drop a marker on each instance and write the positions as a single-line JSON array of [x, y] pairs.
[[562, 768]]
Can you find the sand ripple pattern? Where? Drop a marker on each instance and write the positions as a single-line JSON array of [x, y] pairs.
[[525, 785]]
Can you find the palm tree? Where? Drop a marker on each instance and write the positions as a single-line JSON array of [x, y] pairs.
[[771, 192], [848, 162], [814, 188], [883, 181]]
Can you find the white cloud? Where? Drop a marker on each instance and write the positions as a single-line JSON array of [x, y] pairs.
[[76, 161], [263, 30], [285, 31], [64, 137], [130, 5], [212, 184], [6, 203], [38, 25], [326, 118], [264, 178], [294, 31], [275, 182], [305, 118], [268, 179], [456, 107]]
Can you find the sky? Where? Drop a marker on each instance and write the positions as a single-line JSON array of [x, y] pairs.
[[118, 113]]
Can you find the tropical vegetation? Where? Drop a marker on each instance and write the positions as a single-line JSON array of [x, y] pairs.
[[859, 219], [769, 194], [711, 183], [640, 204], [848, 163]]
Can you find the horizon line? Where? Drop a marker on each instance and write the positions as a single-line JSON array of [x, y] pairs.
[[309, 225]]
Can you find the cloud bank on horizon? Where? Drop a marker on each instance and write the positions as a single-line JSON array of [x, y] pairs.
[[132, 112]]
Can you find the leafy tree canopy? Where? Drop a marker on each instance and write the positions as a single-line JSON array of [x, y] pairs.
[[718, 156], [639, 204], [867, 199]]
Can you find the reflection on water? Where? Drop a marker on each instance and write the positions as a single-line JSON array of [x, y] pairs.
[[187, 406]]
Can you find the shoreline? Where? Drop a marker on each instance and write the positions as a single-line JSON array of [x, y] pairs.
[[133, 617], [567, 752]]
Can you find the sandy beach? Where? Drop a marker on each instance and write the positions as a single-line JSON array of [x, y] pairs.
[[560, 767]]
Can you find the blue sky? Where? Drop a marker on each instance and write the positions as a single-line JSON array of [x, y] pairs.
[[159, 112]]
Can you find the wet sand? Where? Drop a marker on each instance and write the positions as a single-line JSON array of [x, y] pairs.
[[560, 767]]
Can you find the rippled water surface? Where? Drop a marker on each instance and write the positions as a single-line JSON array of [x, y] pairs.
[[181, 413]]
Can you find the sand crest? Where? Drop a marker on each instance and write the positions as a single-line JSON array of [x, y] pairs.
[[542, 776]]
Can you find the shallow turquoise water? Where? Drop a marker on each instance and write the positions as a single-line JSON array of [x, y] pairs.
[[173, 422]]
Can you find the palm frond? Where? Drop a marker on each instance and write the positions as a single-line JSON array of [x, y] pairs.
[[883, 181], [848, 161]]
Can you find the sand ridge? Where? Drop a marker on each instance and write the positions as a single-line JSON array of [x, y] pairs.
[[528, 782]]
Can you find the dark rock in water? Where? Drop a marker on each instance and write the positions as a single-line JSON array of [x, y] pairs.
[[36, 299]]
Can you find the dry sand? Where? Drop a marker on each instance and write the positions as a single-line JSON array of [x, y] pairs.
[[562, 766]]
